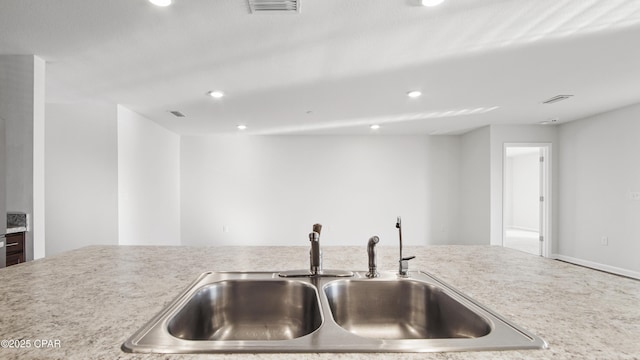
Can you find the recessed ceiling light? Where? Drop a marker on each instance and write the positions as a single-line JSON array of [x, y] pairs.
[[374, 127], [432, 2], [242, 127], [216, 94], [414, 94], [161, 2]]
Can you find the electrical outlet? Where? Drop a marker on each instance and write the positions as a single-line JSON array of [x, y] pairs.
[[225, 228], [634, 196], [604, 241]]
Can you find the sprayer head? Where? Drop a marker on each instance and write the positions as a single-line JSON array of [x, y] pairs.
[[398, 223]]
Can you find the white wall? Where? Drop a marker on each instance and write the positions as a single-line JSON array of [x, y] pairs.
[[270, 190], [148, 181], [443, 189], [81, 176], [22, 107], [522, 192], [599, 168], [474, 187]]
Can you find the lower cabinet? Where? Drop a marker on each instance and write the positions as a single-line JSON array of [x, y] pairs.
[[15, 248]]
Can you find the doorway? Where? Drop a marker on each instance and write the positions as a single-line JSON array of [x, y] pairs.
[[526, 198]]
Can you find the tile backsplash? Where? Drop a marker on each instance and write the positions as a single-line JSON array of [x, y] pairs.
[[16, 219]]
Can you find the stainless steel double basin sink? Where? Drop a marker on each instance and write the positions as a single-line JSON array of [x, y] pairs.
[[262, 312]]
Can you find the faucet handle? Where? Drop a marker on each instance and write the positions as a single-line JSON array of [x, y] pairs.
[[317, 228], [404, 265]]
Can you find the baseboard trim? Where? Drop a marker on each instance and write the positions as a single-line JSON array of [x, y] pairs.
[[598, 266]]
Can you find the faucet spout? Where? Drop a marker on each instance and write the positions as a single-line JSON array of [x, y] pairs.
[[371, 251], [403, 262]]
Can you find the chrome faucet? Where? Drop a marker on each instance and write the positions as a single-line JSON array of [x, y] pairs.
[[404, 261], [371, 251], [315, 261], [315, 254]]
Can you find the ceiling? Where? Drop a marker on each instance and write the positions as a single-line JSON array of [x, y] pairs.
[[338, 66]]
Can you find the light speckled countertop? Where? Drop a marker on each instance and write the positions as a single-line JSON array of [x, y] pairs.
[[93, 299], [13, 230]]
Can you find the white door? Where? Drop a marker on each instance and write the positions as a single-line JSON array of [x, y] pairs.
[[525, 198]]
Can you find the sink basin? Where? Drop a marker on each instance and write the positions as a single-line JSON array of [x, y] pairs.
[[248, 310], [233, 312], [401, 310]]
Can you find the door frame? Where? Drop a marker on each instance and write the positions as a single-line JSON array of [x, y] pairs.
[[546, 191]]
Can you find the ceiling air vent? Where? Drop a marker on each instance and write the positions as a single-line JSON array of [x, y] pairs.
[[274, 6], [556, 98], [177, 113]]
